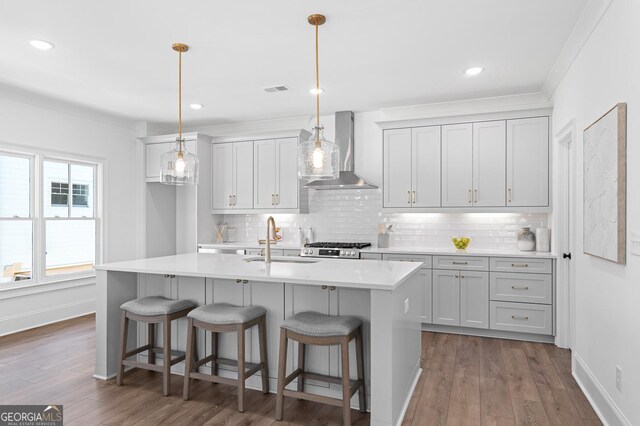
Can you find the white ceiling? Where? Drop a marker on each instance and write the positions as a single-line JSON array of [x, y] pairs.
[[115, 55]]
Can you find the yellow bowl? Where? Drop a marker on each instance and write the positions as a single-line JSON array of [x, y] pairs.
[[461, 243]]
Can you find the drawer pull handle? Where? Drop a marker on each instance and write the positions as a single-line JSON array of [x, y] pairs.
[[515, 287], [459, 263], [516, 317], [519, 265]]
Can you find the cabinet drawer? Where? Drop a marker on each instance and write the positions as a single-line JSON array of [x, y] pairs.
[[512, 264], [521, 317], [409, 258], [370, 256], [461, 263], [261, 251], [513, 287]]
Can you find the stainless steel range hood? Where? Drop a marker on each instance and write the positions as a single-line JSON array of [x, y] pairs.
[[344, 138]]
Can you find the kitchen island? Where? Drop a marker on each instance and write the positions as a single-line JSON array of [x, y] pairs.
[[385, 295]]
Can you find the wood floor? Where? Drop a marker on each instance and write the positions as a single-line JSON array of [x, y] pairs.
[[466, 380]]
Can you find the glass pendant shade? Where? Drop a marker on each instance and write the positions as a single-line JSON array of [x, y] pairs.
[[179, 167], [318, 158]]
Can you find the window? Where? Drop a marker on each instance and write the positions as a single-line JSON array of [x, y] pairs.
[[59, 194], [16, 219], [80, 195], [70, 228], [58, 236]]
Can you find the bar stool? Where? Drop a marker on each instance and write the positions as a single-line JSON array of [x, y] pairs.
[[152, 310], [224, 318], [312, 328]]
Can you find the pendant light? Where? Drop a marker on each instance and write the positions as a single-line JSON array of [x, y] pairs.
[[179, 166], [318, 158]]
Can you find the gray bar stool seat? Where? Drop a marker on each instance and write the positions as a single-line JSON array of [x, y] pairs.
[[152, 310], [224, 318], [312, 328]]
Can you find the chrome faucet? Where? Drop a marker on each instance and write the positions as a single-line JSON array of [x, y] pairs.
[[271, 228]]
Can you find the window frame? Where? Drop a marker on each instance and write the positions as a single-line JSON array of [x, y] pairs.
[[30, 218], [38, 220], [42, 234]]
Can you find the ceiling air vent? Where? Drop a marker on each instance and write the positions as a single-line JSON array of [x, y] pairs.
[[280, 88]]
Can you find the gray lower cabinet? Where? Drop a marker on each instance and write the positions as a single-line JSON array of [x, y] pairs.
[[426, 297], [474, 296], [446, 297], [521, 317], [461, 298]]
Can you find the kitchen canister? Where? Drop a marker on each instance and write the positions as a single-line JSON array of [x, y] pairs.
[[383, 240], [543, 242], [526, 240]]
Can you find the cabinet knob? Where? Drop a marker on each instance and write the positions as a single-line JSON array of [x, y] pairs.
[[324, 287], [333, 287], [238, 281]]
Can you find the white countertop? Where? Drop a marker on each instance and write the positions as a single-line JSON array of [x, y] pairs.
[[471, 251], [363, 274]]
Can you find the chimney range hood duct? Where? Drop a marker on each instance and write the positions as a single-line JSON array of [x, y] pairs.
[[344, 138]]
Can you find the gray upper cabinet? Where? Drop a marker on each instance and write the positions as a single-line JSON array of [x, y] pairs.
[[478, 166], [528, 162]]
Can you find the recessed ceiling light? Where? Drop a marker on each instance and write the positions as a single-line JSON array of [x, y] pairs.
[[315, 91], [474, 71], [196, 106], [41, 44]]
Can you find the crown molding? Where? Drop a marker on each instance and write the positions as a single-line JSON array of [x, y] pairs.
[[587, 23]]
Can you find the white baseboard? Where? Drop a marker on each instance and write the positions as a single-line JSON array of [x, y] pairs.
[[51, 314], [607, 410], [409, 396]]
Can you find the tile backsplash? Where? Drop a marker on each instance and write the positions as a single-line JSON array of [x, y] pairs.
[[353, 215]]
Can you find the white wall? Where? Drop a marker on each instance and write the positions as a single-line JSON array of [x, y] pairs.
[[37, 125], [607, 295]]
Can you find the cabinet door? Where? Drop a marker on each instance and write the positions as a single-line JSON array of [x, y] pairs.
[[264, 175], [474, 299], [457, 170], [287, 173], [243, 175], [268, 295], [222, 185], [425, 166], [153, 153], [426, 313], [186, 288], [397, 168], [528, 162], [299, 298], [446, 297], [489, 163]]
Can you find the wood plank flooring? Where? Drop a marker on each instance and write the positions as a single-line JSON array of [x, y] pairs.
[[465, 381]]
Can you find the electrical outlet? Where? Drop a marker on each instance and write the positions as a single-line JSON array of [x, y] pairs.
[[406, 306], [619, 378]]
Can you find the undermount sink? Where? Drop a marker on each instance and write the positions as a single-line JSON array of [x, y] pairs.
[[280, 260]]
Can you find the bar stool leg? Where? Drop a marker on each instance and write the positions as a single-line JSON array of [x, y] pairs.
[[301, 361], [124, 333], [166, 353], [151, 341], [188, 360], [262, 333], [282, 371], [214, 352], [241, 370], [346, 383], [360, 361]]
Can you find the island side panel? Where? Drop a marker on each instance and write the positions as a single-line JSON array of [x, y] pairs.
[[113, 289], [395, 350]]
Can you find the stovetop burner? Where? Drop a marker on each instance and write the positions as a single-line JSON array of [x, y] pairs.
[[339, 245]]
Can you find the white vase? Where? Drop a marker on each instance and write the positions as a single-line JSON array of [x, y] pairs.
[[526, 240]]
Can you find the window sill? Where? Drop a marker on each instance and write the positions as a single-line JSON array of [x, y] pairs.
[[15, 289]]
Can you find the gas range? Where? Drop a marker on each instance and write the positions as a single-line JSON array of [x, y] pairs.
[[334, 250]]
